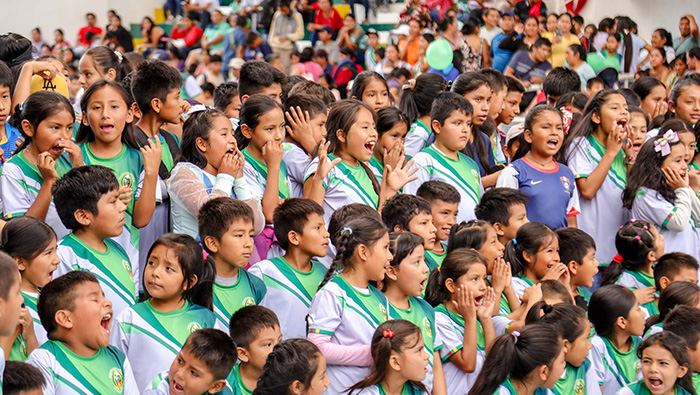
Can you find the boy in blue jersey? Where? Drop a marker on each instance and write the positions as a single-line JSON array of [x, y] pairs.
[[201, 366], [505, 209], [410, 213], [256, 331], [21, 378], [577, 252], [226, 231], [78, 359], [87, 201]]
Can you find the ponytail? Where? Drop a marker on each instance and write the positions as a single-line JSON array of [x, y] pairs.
[[106, 59], [675, 294], [607, 304], [289, 361], [516, 356], [417, 97], [633, 241], [528, 239], [567, 318]]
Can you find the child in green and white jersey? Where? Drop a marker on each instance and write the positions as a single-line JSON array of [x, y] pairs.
[[10, 305], [152, 332]]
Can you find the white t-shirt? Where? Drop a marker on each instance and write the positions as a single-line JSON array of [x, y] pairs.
[[296, 160]]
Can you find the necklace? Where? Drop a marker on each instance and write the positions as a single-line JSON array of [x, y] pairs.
[[543, 165]]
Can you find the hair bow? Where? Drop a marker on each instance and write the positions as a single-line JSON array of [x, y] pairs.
[[516, 335], [388, 333], [663, 144], [567, 116]]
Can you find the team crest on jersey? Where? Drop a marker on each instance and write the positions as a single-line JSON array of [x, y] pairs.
[[382, 309], [428, 328], [475, 174], [579, 386], [193, 327], [248, 301], [566, 183], [126, 180], [127, 267], [23, 348], [117, 379]]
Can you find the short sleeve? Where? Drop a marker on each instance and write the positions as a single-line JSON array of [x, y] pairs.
[[311, 170], [421, 161], [256, 185], [578, 160], [415, 140], [68, 260], [652, 207], [573, 208], [130, 386], [508, 178], [117, 337], [43, 359], [191, 87], [501, 324], [596, 355], [592, 385], [259, 288], [451, 340], [15, 199], [325, 313]]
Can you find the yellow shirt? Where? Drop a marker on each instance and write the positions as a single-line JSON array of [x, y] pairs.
[[557, 57]]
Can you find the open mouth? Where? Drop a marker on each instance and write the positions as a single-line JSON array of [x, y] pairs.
[[370, 147], [175, 386], [107, 128], [622, 122], [51, 274], [655, 383], [422, 284], [553, 143], [478, 300], [232, 151], [106, 322], [56, 151]]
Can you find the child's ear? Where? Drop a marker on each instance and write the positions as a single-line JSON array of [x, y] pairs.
[[663, 282], [85, 121], [651, 256], [450, 285], [246, 132], [529, 258], [543, 372], [187, 285], [27, 127], [682, 371], [595, 118], [391, 272], [394, 362], [671, 106], [528, 135], [567, 346], [22, 263], [573, 267], [498, 227], [243, 354], [621, 322], [398, 228], [436, 126], [135, 110], [83, 217], [64, 319], [341, 136], [362, 252], [111, 74], [129, 114], [244, 98], [212, 244], [201, 144], [218, 386], [296, 387], [293, 238]]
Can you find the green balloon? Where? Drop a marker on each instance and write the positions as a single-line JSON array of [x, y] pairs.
[[595, 60], [439, 54]]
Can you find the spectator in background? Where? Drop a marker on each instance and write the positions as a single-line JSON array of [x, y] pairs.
[[391, 61], [153, 36], [59, 40], [408, 48], [213, 36], [274, 60], [688, 35], [234, 41], [522, 42], [606, 26], [186, 34], [561, 39], [256, 48], [287, 28], [327, 16], [352, 37], [576, 60], [526, 8], [660, 69], [212, 73], [306, 66], [37, 41], [123, 37], [83, 39], [693, 58], [326, 42], [501, 57], [234, 67], [680, 64], [490, 28], [372, 46], [413, 9], [321, 57], [578, 23], [203, 8], [530, 67]]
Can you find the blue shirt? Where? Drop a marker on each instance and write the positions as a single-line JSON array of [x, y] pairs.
[[10, 143], [501, 57], [449, 74]]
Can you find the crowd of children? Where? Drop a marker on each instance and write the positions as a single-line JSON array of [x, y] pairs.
[[283, 242]]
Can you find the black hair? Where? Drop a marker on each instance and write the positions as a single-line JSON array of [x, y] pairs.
[[291, 360], [418, 101], [341, 118], [15, 49], [292, 81], [401, 245], [559, 81], [199, 125], [644, 85], [39, 106], [347, 213], [435, 190], [254, 107], [125, 83], [572, 99], [291, 216], [462, 85], [647, 173], [194, 267], [569, 320], [624, 28], [540, 42], [447, 103], [401, 209], [6, 76], [514, 85], [365, 231], [21, 377], [574, 244], [363, 79], [388, 117], [81, 189], [306, 55], [469, 82], [593, 80], [215, 348], [406, 335], [607, 304], [669, 265], [530, 119], [554, 289], [59, 294], [517, 356], [497, 80], [677, 347], [684, 321], [313, 105], [530, 238], [456, 264], [248, 321], [605, 24], [680, 87], [106, 59], [224, 94], [631, 98], [85, 133], [677, 293], [633, 241], [580, 51], [26, 237], [217, 215], [495, 204], [8, 274], [154, 79], [256, 76], [313, 89], [468, 234]]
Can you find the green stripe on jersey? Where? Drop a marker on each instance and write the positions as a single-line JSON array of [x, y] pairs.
[[261, 170], [457, 323], [247, 291], [355, 178], [421, 314], [305, 283], [372, 307], [575, 380], [463, 172], [618, 171]]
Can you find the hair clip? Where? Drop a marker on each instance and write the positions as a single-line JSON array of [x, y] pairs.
[[663, 144], [348, 229], [645, 227], [515, 242], [196, 108], [438, 269], [618, 259], [388, 333], [516, 335], [567, 117], [638, 237], [410, 85], [119, 56], [622, 226]]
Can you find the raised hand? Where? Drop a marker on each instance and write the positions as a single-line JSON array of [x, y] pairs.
[[272, 152], [74, 153], [325, 165], [402, 175], [464, 302], [674, 178], [299, 128], [645, 295], [485, 310], [151, 154], [47, 167]]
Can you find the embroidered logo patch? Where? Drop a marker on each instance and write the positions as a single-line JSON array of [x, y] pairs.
[[566, 183], [383, 310], [428, 328], [579, 387], [193, 327], [126, 180], [127, 267], [248, 301], [117, 379]]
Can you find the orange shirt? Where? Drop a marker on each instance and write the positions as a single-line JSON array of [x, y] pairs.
[[412, 52]]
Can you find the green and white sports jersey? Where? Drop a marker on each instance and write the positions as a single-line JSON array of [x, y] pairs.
[[696, 381], [2, 368], [20, 183], [434, 258], [349, 315], [112, 268], [507, 388], [161, 386], [255, 173], [128, 168], [30, 302], [296, 160], [577, 381], [378, 389], [66, 373], [640, 388], [151, 339], [345, 184], [19, 351], [450, 328], [462, 173], [634, 279], [377, 168], [236, 381], [614, 369], [519, 285], [419, 136], [289, 292], [422, 315], [247, 290]]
